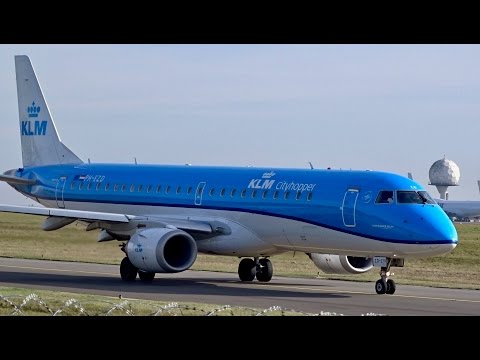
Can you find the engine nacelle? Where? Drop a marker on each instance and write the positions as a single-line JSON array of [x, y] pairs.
[[341, 264], [162, 250]]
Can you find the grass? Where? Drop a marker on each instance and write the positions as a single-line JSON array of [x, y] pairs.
[[27, 302], [21, 237]]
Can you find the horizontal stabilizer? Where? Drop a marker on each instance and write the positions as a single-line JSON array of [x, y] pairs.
[[16, 180]]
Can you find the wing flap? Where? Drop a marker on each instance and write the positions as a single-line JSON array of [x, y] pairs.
[[65, 213], [98, 220]]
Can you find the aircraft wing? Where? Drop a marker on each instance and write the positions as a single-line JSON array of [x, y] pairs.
[[97, 220], [64, 213]]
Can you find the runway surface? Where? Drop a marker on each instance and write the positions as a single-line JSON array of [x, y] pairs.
[[307, 295]]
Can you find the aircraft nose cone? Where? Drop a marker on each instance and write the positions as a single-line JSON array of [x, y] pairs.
[[447, 235], [448, 232]]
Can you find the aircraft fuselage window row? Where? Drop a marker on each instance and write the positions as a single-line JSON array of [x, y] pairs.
[[223, 192]]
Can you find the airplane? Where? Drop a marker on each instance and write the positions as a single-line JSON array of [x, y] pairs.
[[460, 209], [346, 221]]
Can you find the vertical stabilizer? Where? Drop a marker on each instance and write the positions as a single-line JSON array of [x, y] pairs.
[[41, 144]]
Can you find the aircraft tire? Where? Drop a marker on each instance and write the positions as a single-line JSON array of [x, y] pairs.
[[247, 269], [391, 287], [381, 286], [146, 277], [128, 271], [265, 272]]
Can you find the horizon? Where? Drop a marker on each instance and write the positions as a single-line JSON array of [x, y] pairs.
[[393, 108]]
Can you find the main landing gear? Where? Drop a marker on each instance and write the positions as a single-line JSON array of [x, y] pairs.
[[129, 272], [385, 285], [248, 269]]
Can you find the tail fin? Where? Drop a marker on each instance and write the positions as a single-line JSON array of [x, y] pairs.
[[41, 144]]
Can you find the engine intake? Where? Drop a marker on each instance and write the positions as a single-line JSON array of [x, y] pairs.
[[162, 250], [341, 264]]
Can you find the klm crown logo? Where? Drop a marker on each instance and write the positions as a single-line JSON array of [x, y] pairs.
[[33, 127], [33, 110]]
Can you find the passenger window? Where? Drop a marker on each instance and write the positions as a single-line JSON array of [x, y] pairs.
[[115, 188], [243, 193], [140, 188], [265, 193], [72, 185], [189, 190], [287, 194], [107, 186], [80, 186], [212, 191], [98, 186], [159, 187], [254, 193], [167, 189], [299, 195], [309, 196], [132, 188], [232, 194], [275, 194], [384, 197], [124, 187], [89, 186], [149, 188], [179, 188], [222, 192]]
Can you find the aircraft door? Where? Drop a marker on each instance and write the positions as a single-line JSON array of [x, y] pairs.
[[59, 191], [348, 207], [199, 193]]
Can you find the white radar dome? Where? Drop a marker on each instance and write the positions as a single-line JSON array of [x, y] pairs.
[[444, 172]]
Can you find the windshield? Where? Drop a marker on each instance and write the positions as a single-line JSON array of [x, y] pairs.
[[414, 197], [427, 197]]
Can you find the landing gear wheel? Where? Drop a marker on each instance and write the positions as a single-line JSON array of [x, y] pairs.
[[128, 271], [247, 270], [146, 277], [264, 270], [381, 286], [391, 287]]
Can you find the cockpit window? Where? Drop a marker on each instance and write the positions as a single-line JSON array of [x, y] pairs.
[[385, 197], [426, 196], [410, 197]]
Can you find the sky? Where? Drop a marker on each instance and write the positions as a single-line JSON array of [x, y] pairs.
[[395, 108]]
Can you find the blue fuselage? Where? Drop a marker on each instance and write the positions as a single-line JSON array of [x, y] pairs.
[[343, 201]]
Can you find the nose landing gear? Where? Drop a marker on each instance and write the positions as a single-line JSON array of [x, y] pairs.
[[386, 285]]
